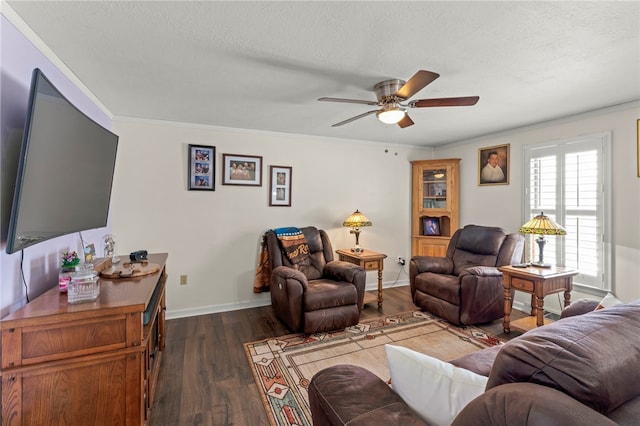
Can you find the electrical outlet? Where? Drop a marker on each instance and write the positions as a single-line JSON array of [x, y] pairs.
[[401, 260], [183, 280]]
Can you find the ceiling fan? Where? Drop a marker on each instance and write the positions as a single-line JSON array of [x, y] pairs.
[[392, 98]]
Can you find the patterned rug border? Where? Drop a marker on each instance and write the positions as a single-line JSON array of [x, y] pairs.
[[368, 329]]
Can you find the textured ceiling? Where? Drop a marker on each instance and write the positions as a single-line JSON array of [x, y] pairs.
[[262, 65]]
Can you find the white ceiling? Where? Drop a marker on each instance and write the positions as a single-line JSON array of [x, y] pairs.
[[262, 65]]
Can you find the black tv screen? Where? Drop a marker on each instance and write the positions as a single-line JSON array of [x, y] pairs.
[[65, 172]]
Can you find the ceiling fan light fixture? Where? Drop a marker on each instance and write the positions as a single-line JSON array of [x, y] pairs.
[[393, 96], [391, 116]]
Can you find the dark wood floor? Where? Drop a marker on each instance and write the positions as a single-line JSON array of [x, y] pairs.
[[205, 378]]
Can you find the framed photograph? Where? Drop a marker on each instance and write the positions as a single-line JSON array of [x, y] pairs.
[[202, 164], [493, 165], [89, 253], [280, 186], [431, 225], [241, 170]]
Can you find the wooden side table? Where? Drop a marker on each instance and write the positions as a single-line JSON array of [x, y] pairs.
[[538, 282], [370, 261]]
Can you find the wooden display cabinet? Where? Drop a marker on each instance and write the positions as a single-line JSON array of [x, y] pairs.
[[435, 205], [92, 363]]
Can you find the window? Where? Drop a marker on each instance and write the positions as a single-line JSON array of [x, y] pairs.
[[570, 182]]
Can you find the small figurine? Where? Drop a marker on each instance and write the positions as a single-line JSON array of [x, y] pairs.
[[110, 248]]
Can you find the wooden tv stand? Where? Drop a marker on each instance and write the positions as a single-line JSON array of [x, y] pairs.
[[94, 363]]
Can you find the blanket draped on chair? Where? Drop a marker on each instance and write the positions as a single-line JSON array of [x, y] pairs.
[[294, 245], [263, 272]]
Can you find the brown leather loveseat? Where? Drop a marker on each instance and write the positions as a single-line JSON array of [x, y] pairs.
[[581, 370]]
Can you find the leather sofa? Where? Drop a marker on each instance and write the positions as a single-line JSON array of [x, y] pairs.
[[320, 293], [465, 286], [580, 370]]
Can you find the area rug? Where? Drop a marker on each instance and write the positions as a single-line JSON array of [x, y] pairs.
[[283, 366]]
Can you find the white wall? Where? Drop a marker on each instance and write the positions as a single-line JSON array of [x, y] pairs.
[[214, 237], [501, 205], [34, 270]]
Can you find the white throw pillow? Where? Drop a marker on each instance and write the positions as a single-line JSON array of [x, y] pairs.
[[434, 389], [608, 301]]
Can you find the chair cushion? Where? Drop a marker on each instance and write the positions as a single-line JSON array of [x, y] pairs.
[[320, 252], [313, 265], [444, 287], [323, 294], [477, 246], [481, 239]]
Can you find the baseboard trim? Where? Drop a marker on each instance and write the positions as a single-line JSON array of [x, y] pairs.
[[521, 306], [526, 308], [215, 309], [248, 304]]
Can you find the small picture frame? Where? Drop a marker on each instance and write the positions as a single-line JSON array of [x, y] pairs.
[[431, 226], [89, 253], [280, 186], [493, 165], [241, 170], [202, 164]]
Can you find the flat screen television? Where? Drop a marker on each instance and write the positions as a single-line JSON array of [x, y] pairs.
[[65, 171]]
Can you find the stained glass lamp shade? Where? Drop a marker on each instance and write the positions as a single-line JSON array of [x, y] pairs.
[[542, 225]]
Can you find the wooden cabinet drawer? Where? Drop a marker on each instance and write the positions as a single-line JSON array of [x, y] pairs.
[[92, 390], [520, 284], [40, 343], [370, 265]]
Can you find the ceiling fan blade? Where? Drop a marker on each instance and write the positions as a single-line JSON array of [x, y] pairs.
[[348, 101], [416, 83], [406, 121], [444, 102], [349, 120]]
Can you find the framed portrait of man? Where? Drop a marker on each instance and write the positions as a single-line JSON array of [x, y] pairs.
[[493, 165]]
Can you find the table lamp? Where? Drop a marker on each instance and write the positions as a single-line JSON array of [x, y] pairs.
[[541, 225], [355, 221]]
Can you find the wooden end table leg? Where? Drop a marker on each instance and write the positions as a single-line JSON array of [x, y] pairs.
[[379, 287], [506, 322], [539, 311], [533, 305], [567, 298]]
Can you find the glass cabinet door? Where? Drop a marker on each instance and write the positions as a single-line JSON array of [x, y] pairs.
[[434, 205], [434, 189]]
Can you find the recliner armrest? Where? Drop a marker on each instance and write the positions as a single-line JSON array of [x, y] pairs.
[[481, 271], [289, 273], [339, 270], [437, 265]]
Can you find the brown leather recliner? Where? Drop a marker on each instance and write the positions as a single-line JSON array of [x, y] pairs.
[[465, 287], [318, 294]]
